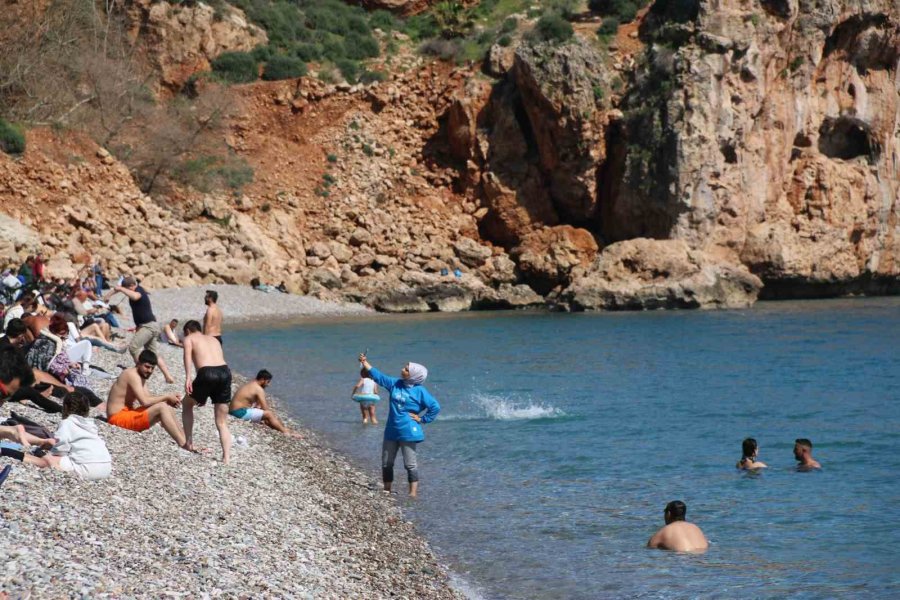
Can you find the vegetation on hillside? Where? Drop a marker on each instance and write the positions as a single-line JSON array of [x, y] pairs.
[[73, 66], [12, 140], [329, 32]]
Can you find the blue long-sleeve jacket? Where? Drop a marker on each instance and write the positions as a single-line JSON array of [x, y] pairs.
[[406, 399]]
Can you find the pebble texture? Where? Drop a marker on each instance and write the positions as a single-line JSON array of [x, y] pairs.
[[288, 518], [240, 303]]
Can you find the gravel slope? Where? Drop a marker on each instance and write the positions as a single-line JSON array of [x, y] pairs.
[[288, 518]]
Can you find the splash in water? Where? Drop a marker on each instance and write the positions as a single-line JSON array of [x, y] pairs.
[[502, 408]]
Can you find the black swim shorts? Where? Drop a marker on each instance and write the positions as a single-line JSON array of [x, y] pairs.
[[212, 383]]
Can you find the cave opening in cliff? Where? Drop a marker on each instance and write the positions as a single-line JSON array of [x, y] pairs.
[[848, 138]]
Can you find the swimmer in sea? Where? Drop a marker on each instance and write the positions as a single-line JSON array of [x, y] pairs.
[[749, 451], [367, 387], [803, 454], [678, 535]]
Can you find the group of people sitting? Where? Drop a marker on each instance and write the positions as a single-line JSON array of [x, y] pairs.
[[50, 333]]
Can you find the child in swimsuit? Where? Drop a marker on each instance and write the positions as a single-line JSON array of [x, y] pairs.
[[366, 387]]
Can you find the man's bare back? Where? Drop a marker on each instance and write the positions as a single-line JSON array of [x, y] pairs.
[[204, 350], [123, 392], [248, 395], [212, 320], [679, 536]]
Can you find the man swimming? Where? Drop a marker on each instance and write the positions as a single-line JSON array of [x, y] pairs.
[[249, 404], [130, 390], [803, 454], [213, 381], [678, 535], [212, 320]]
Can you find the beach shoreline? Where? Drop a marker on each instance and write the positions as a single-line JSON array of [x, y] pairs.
[[288, 517]]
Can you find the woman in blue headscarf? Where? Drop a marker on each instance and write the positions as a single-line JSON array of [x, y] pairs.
[[411, 406]]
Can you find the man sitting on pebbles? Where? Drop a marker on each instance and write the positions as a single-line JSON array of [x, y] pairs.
[[130, 389], [213, 381], [249, 404]]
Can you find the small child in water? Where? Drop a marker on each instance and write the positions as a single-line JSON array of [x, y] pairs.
[[78, 447], [366, 387]]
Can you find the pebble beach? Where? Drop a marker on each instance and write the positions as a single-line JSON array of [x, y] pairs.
[[287, 518]]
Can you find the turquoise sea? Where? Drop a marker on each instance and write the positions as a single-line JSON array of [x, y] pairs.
[[563, 436]]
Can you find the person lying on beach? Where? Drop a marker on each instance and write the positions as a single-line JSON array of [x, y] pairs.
[[409, 399], [77, 447], [168, 335], [130, 406], [678, 535], [803, 454], [749, 452], [366, 387], [213, 381], [249, 404]]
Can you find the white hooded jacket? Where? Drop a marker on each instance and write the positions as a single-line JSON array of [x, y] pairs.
[[77, 438]]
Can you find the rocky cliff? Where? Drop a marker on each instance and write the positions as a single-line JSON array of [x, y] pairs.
[[182, 39], [779, 141], [712, 152]]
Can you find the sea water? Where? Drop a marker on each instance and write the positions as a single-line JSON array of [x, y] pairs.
[[562, 437]]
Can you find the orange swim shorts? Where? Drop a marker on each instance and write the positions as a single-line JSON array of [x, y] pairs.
[[135, 420]]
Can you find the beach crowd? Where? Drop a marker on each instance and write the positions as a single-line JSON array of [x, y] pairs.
[[53, 328]]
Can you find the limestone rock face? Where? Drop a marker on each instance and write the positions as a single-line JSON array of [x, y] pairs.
[[547, 256], [183, 39], [772, 138], [643, 274], [556, 86], [16, 239]]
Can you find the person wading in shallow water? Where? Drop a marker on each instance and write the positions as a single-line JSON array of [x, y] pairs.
[[678, 534], [403, 431]]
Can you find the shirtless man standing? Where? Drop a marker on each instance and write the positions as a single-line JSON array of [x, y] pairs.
[[212, 320], [213, 381], [130, 389], [678, 534], [249, 404]]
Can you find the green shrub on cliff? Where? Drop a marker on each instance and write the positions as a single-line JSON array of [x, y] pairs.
[[317, 30], [236, 67], [348, 68], [283, 67], [12, 140], [552, 28], [621, 10]]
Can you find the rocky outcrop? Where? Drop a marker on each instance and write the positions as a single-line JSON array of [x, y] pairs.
[[182, 39], [16, 237], [770, 138], [529, 149], [547, 256], [644, 274]]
